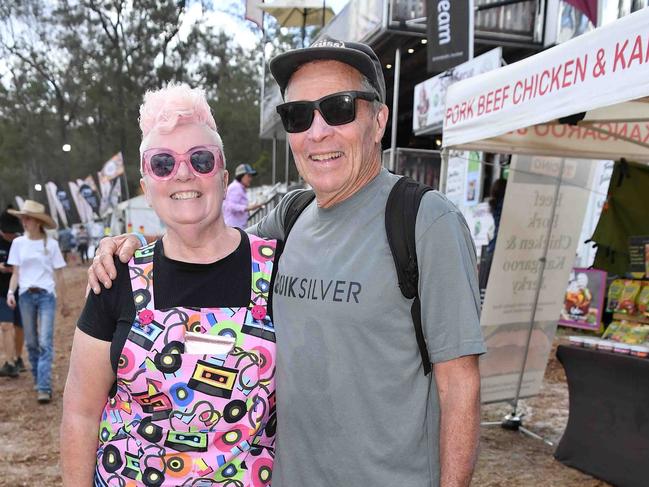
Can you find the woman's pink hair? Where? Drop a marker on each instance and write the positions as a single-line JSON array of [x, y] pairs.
[[165, 108]]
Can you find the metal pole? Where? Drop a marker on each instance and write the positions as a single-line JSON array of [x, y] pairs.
[[288, 150], [539, 281], [443, 170], [128, 198], [274, 160], [395, 108], [263, 75]]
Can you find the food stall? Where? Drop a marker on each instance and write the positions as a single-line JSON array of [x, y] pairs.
[[585, 99]]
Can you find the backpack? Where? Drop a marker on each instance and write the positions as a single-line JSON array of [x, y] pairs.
[[400, 218]]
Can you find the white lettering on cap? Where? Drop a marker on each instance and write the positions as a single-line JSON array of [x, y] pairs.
[[328, 43]]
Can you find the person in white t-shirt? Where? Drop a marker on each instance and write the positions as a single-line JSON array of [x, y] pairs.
[[35, 258]]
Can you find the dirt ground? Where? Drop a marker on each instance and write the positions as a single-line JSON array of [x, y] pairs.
[[29, 431]]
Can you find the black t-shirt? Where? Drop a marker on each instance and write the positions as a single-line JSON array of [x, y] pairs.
[[5, 245], [110, 315]]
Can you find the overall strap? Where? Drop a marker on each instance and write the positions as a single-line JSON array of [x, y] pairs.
[[141, 274], [262, 256]]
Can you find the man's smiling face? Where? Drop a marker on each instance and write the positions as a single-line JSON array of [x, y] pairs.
[[335, 160]]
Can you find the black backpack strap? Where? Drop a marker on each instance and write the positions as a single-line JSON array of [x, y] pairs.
[[295, 209], [400, 219]]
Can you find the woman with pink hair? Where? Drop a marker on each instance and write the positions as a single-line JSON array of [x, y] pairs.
[[171, 378]]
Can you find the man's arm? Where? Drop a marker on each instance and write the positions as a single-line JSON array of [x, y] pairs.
[[458, 386], [450, 303], [272, 225], [103, 269]]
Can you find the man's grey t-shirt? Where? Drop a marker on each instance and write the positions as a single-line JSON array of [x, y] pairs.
[[354, 407]]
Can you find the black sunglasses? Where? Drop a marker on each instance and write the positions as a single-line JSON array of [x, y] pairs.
[[336, 109]]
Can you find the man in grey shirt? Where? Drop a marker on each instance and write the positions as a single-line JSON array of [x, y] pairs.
[[354, 406]]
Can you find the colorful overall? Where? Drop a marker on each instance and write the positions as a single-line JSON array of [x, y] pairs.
[[193, 419]]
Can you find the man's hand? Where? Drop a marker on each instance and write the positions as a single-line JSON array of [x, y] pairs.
[[103, 269]]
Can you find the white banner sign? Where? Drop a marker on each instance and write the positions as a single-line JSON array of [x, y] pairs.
[[509, 300], [430, 96], [598, 193], [602, 68]]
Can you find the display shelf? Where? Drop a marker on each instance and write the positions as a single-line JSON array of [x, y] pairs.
[[633, 318]]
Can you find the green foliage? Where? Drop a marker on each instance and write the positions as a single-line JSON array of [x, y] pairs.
[[75, 71]]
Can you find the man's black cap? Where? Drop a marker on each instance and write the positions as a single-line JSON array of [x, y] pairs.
[[357, 55]]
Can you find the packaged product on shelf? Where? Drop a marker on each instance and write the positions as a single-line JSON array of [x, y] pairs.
[[629, 294], [614, 294], [624, 332], [615, 331], [636, 334], [643, 300]]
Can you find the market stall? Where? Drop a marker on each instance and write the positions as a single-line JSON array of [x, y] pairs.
[[585, 99]]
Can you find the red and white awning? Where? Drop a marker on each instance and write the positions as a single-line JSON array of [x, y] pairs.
[[588, 97]]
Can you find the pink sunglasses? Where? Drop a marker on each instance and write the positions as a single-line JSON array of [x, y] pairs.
[[163, 164]]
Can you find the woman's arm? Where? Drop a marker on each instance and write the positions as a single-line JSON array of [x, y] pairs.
[[83, 401], [13, 285]]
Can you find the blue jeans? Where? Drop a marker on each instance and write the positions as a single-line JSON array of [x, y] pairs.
[[37, 311]]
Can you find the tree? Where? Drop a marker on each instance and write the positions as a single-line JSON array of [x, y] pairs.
[[75, 71]]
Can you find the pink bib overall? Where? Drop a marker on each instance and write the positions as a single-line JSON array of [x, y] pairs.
[[193, 419]]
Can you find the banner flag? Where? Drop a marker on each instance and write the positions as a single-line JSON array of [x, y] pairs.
[[59, 203], [254, 13], [509, 304], [111, 196], [50, 192], [88, 190], [83, 208], [109, 183], [113, 167]]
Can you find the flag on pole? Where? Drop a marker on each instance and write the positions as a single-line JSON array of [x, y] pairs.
[[109, 183], [254, 13], [84, 210], [587, 7], [56, 207], [88, 190], [113, 167]]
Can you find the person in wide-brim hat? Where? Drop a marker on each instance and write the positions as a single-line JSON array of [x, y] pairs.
[[36, 261], [35, 210]]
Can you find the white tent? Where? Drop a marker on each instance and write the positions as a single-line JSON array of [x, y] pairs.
[[603, 75], [137, 213], [585, 99]]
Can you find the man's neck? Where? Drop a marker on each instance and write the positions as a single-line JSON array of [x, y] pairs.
[[330, 200]]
